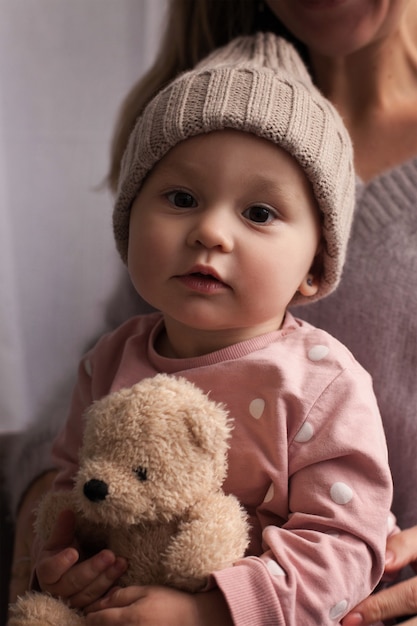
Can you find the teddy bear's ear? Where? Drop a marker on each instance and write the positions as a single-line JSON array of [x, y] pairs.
[[207, 421], [209, 429]]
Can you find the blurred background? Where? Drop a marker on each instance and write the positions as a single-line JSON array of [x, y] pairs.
[[65, 66]]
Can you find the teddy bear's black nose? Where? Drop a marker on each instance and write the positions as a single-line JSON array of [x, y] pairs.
[[95, 490]]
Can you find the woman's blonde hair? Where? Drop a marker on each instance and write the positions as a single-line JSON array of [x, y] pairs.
[[193, 29]]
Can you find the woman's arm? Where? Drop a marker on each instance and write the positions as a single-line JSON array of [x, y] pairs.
[[22, 563]]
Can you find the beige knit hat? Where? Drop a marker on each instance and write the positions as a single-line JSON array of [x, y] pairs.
[[256, 84]]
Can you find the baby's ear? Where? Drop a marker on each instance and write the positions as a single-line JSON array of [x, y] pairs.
[[311, 281], [309, 286]]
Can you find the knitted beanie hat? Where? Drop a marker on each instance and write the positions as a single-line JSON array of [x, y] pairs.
[[257, 84]]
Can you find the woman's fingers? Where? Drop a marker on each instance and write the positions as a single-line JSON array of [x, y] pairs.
[[396, 601], [401, 550]]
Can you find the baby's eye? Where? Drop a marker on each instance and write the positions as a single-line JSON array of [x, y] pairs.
[[182, 199], [260, 214]]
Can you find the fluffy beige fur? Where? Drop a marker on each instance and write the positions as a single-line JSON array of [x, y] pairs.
[[149, 488]]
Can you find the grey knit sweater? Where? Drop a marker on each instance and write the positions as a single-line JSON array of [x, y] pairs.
[[374, 313]]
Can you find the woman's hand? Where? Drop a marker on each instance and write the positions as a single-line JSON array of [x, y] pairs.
[[399, 600]]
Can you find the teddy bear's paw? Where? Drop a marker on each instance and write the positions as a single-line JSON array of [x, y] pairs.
[[214, 537], [41, 609]]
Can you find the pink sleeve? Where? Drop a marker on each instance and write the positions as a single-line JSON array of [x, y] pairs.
[[67, 444], [97, 376], [329, 553]]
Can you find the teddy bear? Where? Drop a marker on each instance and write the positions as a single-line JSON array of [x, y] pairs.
[[152, 463]]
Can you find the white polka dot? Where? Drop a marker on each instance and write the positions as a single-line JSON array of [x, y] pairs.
[[274, 568], [318, 352], [269, 493], [256, 408], [87, 367], [333, 533], [338, 610], [390, 523], [341, 493], [304, 434]]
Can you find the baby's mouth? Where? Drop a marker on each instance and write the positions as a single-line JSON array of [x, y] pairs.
[[204, 282], [207, 277]]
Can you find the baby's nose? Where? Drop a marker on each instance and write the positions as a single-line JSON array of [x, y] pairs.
[[213, 229]]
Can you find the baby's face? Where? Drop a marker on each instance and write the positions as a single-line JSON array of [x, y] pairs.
[[222, 234]]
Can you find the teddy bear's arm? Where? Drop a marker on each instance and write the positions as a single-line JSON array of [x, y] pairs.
[[213, 537]]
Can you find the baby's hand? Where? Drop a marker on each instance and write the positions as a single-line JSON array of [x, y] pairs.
[[60, 572], [151, 606]]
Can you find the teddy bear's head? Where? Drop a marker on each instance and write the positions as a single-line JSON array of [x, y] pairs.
[[151, 451]]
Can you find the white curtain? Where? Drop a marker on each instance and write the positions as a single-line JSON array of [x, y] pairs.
[[65, 66]]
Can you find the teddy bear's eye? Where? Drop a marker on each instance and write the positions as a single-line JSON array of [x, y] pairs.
[[141, 473]]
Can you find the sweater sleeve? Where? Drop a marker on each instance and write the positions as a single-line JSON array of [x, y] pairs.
[[113, 362], [68, 442], [328, 554]]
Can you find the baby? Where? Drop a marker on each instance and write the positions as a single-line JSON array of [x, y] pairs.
[[235, 201]]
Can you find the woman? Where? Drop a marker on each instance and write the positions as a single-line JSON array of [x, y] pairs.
[[363, 55]]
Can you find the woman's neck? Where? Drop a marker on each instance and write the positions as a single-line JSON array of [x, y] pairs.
[[375, 91]]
